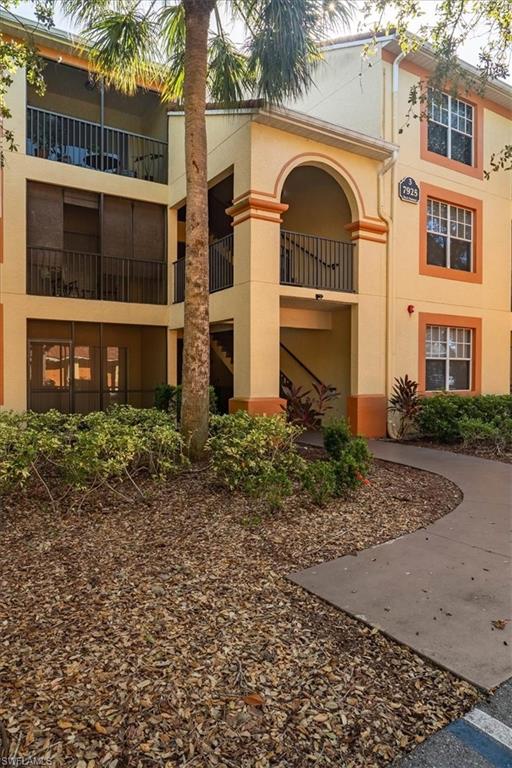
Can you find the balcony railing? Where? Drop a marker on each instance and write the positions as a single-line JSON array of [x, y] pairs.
[[309, 261], [72, 274], [91, 145], [220, 272]]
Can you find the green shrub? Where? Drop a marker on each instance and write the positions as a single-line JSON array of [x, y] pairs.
[[495, 434], [168, 398], [85, 452], [440, 415], [255, 454], [350, 456], [319, 480], [337, 436], [352, 466]]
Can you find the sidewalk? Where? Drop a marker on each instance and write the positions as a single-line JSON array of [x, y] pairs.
[[440, 589]]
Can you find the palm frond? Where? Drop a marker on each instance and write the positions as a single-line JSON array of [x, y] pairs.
[[284, 45], [229, 78], [121, 39], [171, 23]]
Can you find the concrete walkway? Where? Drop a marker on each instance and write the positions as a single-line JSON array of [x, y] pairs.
[[440, 589]]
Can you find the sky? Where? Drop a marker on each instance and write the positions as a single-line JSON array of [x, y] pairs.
[[468, 52]]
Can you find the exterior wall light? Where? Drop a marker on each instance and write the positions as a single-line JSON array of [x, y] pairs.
[[410, 309]]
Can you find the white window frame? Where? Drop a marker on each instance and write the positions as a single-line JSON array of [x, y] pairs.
[[450, 209], [448, 357], [451, 128]]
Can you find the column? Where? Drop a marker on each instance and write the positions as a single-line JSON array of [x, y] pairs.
[[367, 403], [256, 222]]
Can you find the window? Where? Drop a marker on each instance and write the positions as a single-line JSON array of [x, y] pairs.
[[448, 358], [449, 236], [450, 127]]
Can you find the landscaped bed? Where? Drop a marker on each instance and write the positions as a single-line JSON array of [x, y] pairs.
[[165, 633]]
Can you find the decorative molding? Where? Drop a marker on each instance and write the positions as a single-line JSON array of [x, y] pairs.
[[374, 230], [252, 207]]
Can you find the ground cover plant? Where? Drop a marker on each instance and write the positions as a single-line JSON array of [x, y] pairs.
[[165, 632]]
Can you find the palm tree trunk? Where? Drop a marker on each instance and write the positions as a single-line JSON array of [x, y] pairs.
[[196, 347]]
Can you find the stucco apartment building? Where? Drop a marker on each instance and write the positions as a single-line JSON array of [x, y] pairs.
[[343, 249]]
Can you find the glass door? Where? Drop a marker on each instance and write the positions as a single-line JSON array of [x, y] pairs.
[[115, 376], [49, 376]]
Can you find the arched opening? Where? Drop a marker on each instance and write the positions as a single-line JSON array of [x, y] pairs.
[[316, 247], [317, 252], [317, 204]]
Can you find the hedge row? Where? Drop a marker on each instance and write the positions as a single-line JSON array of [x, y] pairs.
[[445, 417]]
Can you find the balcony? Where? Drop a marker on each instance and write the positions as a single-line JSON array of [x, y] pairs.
[[71, 140], [73, 274], [220, 272], [309, 261]]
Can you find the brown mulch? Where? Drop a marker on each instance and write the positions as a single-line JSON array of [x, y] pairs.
[[166, 634], [481, 452]]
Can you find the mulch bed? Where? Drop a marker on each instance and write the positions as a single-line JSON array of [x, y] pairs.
[[481, 452], [166, 634]]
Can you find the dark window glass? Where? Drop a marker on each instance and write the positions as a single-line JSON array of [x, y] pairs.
[[459, 374], [460, 254], [438, 138], [462, 148], [436, 250], [435, 374]]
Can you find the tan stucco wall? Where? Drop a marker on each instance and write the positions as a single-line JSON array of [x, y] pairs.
[[490, 300], [325, 352], [347, 90]]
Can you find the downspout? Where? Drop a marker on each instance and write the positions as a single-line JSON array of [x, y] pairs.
[[390, 165]]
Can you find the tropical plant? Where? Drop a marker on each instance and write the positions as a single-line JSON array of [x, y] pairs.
[[308, 410], [406, 403], [183, 46]]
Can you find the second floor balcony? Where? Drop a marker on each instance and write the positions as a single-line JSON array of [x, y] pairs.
[[306, 261], [86, 245]]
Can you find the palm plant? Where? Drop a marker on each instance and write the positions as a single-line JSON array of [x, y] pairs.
[[184, 46]]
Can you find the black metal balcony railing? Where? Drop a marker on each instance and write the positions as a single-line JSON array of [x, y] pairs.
[[220, 272], [91, 145], [316, 262], [54, 272]]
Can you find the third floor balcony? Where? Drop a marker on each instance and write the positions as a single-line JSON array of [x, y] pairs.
[[77, 121]]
